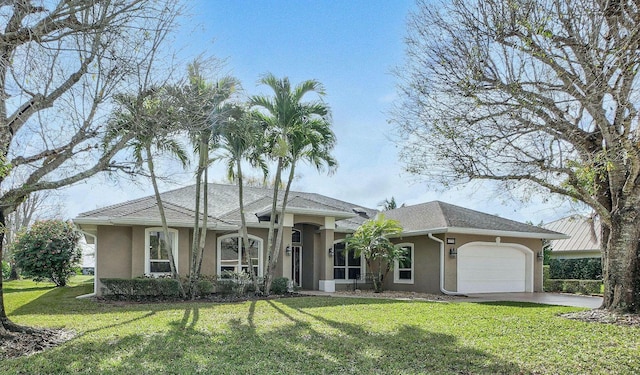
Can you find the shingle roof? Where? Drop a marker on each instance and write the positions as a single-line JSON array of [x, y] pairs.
[[438, 216], [584, 232], [223, 206]]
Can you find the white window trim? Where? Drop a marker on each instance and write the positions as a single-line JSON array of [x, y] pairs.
[[396, 266], [237, 235], [147, 248], [363, 268]]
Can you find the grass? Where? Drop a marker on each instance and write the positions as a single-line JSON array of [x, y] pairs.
[[313, 335]]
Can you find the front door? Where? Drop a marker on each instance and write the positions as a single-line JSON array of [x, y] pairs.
[[296, 265]]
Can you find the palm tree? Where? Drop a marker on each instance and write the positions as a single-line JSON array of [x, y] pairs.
[[152, 121], [203, 106], [240, 140], [371, 240], [295, 131]]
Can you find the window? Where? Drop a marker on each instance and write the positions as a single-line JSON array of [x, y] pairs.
[[157, 251], [403, 268], [230, 257], [296, 236], [345, 265]]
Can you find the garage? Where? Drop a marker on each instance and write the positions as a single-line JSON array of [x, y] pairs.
[[494, 268]]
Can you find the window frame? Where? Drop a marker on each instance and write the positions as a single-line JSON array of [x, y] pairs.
[[147, 250], [363, 269], [397, 269], [238, 266]]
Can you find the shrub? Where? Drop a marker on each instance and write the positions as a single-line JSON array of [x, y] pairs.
[[573, 286], [6, 270], [235, 283], [205, 287], [48, 251], [132, 289], [280, 285], [576, 269]]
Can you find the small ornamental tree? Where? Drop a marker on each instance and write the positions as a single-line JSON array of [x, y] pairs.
[[48, 251], [371, 240]]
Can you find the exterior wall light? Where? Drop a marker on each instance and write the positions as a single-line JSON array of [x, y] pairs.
[[288, 250], [453, 252], [331, 251], [540, 255]]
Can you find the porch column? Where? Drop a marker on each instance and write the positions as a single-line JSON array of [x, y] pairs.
[[327, 283], [284, 259]]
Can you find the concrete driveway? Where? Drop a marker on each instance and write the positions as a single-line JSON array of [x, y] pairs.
[[560, 299]]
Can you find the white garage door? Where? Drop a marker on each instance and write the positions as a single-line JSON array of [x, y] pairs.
[[491, 269]]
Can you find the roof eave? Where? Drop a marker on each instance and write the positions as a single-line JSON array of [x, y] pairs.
[[484, 232], [148, 222]]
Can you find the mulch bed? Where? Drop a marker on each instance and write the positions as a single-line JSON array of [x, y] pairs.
[[20, 344], [604, 316]]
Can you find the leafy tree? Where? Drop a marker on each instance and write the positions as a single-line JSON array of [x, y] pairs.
[[6, 270], [60, 63], [295, 130], [538, 95], [40, 205], [389, 204], [371, 240], [48, 251]]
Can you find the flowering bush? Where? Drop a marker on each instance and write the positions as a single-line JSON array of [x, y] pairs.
[[48, 251]]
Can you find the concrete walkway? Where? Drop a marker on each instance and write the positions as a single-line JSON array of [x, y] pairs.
[[560, 299]]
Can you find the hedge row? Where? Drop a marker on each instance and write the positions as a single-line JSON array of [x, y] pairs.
[[573, 286], [140, 287], [578, 269], [144, 288]]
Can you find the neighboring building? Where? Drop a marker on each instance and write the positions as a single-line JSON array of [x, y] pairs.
[[584, 237], [448, 248], [88, 257]]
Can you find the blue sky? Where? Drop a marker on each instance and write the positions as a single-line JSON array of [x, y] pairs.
[[352, 48]]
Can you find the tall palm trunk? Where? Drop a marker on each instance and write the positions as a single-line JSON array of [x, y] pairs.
[[244, 232], [272, 257], [277, 246], [205, 219], [163, 219], [197, 229]]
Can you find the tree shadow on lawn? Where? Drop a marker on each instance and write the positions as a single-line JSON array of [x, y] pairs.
[[304, 342], [50, 302], [7, 290]]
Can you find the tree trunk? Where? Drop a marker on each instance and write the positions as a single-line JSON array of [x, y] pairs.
[[268, 277], [205, 217], [7, 325], [621, 267], [244, 244], [197, 231], [163, 219], [14, 271], [273, 261]]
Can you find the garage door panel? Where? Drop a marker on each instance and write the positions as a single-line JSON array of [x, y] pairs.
[[485, 269]]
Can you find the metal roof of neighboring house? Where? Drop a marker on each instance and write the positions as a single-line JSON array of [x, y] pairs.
[[584, 232], [223, 211]]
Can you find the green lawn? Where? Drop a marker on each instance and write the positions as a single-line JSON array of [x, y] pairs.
[[313, 335]]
